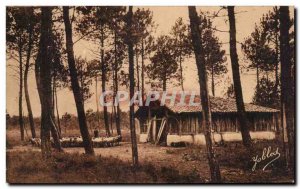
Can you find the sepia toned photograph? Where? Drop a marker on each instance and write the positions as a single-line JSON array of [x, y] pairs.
[[150, 94]]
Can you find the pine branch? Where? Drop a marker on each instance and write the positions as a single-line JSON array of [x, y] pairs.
[[84, 36]]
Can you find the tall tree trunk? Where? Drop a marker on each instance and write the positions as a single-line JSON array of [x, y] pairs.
[[53, 95], [276, 53], [116, 84], [112, 113], [55, 133], [97, 101], [287, 98], [118, 120], [26, 71], [88, 145], [143, 69], [21, 120], [244, 124], [131, 78], [27, 98], [206, 113], [257, 76], [44, 61], [54, 128], [37, 70], [277, 64], [112, 119], [212, 80], [137, 68], [57, 113], [103, 80]]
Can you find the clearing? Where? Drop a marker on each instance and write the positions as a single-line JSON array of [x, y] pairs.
[[189, 162]]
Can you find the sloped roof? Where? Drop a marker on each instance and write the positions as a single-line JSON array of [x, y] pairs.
[[218, 105]]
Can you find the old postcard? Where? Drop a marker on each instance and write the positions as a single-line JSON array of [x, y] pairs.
[[150, 94]]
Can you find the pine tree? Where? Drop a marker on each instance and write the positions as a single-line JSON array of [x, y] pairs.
[[43, 73], [129, 42], [206, 112], [163, 65], [287, 97], [87, 142], [215, 59], [243, 121], [181, 44], [22, 35]]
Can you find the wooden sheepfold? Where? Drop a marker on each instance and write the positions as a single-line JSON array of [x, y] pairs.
[[175, 124]]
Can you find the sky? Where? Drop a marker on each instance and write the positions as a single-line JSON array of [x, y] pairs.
[[164, 17]]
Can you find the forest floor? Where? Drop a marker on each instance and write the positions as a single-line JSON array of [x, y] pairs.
[[158, 164]]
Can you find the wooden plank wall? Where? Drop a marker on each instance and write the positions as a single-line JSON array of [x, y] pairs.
[[190, 124]]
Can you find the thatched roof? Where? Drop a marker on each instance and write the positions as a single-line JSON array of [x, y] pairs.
[[218, 105]]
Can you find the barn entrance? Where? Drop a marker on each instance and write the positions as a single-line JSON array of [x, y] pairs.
[[154, 126], [157, 130]]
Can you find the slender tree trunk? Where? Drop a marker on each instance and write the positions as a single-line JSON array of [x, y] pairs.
[[287, 98], [97, 101], [115, 113], [21, 120], [57, 113], [257, 76], [111, 120], [276, 53], [88, 145], [212, 80], [206, 113], [143, 69], [27, 98], [55, 134], [137, 68], [54, 130], [277, 64], [112, 113], [37, 70], [131, 78], [53, 95], [118, 120], [116, 84], [244, 124], [103, 80]]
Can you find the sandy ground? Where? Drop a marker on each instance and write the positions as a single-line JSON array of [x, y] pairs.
[[159, 156], [148, 153], [182, 159]]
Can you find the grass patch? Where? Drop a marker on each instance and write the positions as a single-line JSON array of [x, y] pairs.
[[30, 167], [236, 162]]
